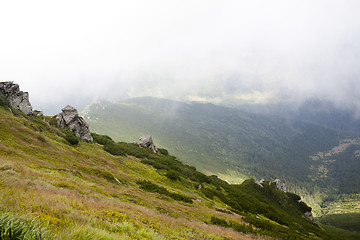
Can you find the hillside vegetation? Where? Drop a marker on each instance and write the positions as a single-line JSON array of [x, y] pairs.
[[54, 188], [236, 145]]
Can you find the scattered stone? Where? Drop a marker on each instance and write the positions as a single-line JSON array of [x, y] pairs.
[[17, 99], [70, 117], [118, 180], [309, 215], [260, 183], [38, 113], [146, 141], [279, 185]]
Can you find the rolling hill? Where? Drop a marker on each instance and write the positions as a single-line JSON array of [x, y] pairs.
[[55, 188], [235, 144]]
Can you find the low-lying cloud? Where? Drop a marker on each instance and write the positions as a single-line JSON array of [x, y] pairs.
[[219, 51]]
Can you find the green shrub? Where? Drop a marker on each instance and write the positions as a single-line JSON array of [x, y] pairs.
[[293, 196], [3, 101], [219, 222], [172, 175], [163, 151], [107, 175], [304, 208], [156, 165], [64, 185], [234, 225], [14, 228], [123, 149], [101, 139], [114, 149], [41, 139], [71, 138], [53, 121], [151, 187]]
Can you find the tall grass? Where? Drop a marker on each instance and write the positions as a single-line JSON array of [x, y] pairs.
[[13, 228]]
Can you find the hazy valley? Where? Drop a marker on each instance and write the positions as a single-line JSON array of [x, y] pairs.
[[314, 150], [58, 182]]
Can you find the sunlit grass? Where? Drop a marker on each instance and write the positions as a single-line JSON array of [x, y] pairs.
[[73, 192]]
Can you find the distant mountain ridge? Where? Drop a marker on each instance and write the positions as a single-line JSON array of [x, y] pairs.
[[322, 112]]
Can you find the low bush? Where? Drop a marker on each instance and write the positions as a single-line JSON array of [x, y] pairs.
[[231, 224], [163, 151], [293, 196], [71, 138], [151, 187], [219, 222], [53, 122], [172, 175], [3, 101], [41, 139], [101, 139], [304, 207], [114, 149]]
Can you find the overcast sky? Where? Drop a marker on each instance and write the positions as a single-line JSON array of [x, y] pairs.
[[74, 52]]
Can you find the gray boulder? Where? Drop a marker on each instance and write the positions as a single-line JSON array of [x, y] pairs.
[[146, 141], [260, 183], [280, 185], [69, 117], [17, 99], [309, 215]]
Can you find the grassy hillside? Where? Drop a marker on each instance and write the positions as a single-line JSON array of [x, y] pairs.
[[54, 188]]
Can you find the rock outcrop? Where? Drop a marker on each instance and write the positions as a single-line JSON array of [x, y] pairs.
[[70, 117], [17, 99], [260, 183], [309, 215], [280, 185], [146, 141]]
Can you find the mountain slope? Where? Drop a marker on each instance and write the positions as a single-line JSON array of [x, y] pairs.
[[321, 112], [220, 140], [52, 189]]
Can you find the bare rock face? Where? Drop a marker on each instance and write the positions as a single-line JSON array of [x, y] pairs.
[[18, 99], [70, 117], [260, 183], [146, 141], [280, 185]]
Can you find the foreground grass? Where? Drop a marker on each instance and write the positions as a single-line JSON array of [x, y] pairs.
[[116, 190], [83, 192], [14, 227]]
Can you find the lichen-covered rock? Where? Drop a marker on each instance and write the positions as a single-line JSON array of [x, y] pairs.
[[280, 185], [260, 183], [70, 117], [146, 141], [309, 215], [17, 99]]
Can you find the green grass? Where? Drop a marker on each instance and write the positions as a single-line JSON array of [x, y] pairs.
[[73, 192], [15, 228], [84, 192], [348, 221], [150, 187], [236, 145]]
